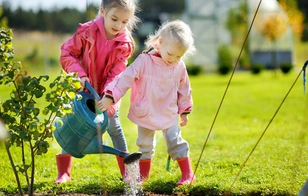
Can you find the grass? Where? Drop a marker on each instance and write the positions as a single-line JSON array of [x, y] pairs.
[[278, 165]]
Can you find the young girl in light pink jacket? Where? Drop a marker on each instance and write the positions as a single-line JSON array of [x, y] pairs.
[[160, 94], [98, 52]]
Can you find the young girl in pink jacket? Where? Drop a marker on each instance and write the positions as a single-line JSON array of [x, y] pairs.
[[98, 52], [160, 93]]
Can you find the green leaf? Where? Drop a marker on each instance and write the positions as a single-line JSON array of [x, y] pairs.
[[38, 93], [26, 79], [36, 111], [45, 111]]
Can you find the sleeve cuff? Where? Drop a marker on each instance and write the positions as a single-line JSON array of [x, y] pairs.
[[109, 96]]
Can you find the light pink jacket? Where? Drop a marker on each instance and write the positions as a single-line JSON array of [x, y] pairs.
[[89, 53], [159, 92]]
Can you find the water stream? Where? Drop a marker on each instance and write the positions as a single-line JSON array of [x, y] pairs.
[[132, 178]]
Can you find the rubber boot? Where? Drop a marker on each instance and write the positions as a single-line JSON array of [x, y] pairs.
[[121, 164], [145, 167], [64, 164], [187, 172]]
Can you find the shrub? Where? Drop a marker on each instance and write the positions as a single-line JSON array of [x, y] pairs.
[[257, 68], [286, 67], [194, 70], [224, 59]]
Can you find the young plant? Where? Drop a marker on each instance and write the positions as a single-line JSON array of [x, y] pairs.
[[28, 130]]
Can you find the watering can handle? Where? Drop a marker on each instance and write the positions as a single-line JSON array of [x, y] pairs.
[[92, 90], [100, 117]]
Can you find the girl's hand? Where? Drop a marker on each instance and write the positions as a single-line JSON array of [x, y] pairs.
[[83, 80], [184, 119], [104, 104]]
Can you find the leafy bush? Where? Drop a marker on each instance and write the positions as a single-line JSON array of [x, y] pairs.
[[194, 70], [257, 68], [224, 59], [286, 67]]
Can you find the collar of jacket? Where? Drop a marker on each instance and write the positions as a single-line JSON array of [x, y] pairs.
[[88, 31], [160, 62]]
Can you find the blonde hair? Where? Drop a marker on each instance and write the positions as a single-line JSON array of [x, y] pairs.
[[126, 5], [174, 31]]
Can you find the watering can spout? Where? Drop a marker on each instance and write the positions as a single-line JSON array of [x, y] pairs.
[[97, 147]]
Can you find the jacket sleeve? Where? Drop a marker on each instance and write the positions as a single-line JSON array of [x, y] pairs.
[[124, 81], [71, 50], [122, 53], [185, 101]]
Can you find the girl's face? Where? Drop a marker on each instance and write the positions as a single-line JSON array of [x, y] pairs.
[[170, 52], [115, 21]]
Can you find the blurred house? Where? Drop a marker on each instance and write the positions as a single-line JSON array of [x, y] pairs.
[[207, 19], [270, 53]]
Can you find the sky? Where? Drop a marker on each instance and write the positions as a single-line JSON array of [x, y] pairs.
[[50, 4]]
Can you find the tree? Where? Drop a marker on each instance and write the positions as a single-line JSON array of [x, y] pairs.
[[237, 25], [272, 28], [303, 7], [3, 21], [295, 17], [237, 22]]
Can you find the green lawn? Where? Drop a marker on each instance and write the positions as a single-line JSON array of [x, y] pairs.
[[278, 165]]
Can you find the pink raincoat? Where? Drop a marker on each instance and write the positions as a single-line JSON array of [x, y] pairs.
[[89, 53], [159, 92]]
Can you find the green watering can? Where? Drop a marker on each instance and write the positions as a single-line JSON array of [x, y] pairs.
[[78, 134]]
